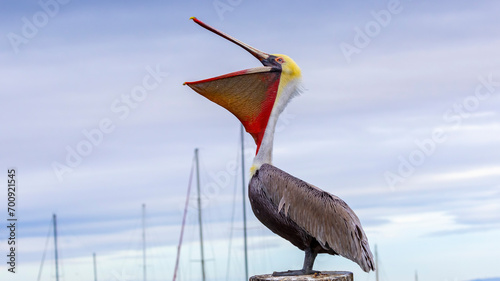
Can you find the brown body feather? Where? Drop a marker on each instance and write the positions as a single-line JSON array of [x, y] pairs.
[[307, 216]]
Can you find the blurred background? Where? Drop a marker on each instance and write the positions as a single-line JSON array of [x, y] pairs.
[[399, 117]]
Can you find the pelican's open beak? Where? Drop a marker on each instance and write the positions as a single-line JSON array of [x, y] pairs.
[[248, 94]]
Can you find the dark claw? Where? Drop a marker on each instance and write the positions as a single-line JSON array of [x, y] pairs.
[[295, 272]]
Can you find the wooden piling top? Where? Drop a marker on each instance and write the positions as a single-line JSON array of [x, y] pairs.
[[322, 276]]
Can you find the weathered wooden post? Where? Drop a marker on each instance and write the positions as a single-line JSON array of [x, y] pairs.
[[322, 276]]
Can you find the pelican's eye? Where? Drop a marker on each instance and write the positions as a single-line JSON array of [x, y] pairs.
[[279, 60]]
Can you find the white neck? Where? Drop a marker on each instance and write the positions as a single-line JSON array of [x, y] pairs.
[[265, 153]]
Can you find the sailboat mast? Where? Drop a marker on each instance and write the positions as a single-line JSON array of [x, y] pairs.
[[376, 263], [95, 268], [199, 215], [183, 223], [244, 202], [144, 241], [54, 219]]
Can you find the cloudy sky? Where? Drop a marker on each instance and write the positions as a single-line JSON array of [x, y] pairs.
[[399, 117]]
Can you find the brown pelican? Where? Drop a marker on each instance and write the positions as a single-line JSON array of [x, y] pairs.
[[313, 220]]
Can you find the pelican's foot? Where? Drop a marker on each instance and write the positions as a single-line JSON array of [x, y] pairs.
[[295, 272]]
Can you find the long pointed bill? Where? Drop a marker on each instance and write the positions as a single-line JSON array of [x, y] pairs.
[[248, 94], [256, 53]]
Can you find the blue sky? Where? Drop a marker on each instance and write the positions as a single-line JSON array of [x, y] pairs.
[[404, 126]]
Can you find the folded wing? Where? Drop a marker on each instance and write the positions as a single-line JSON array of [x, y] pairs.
[[323, 215]]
